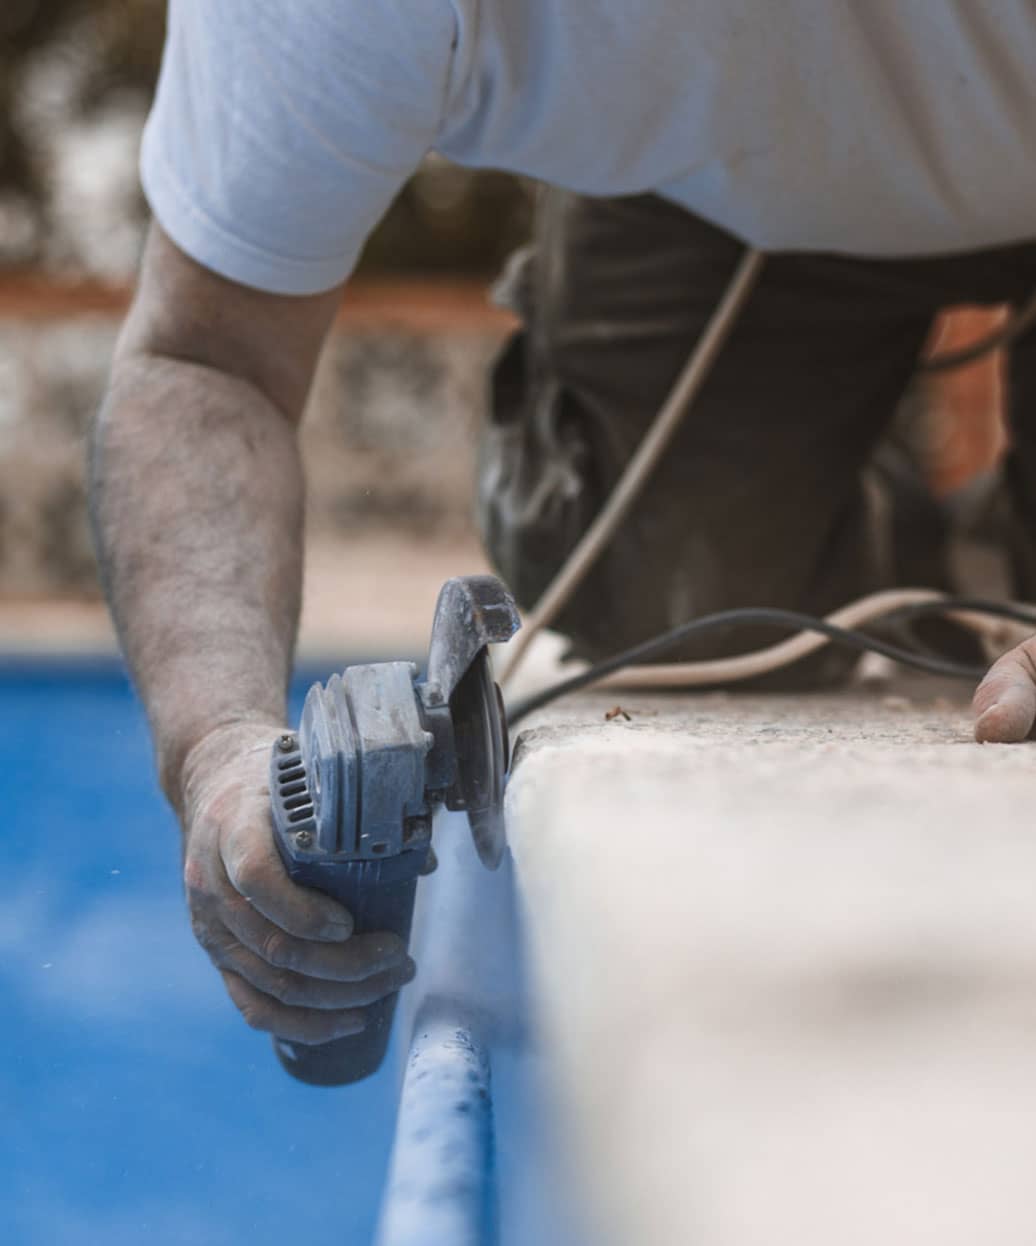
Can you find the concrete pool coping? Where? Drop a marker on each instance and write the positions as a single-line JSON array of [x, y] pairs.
[[784, 951]]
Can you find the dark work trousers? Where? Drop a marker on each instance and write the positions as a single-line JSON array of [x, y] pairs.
[[764, 496]]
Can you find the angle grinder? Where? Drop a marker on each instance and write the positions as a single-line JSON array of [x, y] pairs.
[[377, 752]]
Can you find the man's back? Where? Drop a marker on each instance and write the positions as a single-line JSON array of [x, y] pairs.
[[869, 126]]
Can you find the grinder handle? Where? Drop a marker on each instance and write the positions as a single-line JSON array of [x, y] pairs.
[[380, 896]]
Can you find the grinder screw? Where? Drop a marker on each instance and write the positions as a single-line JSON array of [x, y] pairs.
[[286, 743], [304, 840]]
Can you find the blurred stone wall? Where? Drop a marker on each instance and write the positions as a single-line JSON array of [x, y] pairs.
[[389, 439], [50, 379], [390, 435]]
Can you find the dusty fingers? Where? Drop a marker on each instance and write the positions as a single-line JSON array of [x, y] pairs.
[[299, 1025], [286, 953], [1004, 704]]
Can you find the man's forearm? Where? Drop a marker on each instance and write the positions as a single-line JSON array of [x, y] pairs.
[[197, 498]]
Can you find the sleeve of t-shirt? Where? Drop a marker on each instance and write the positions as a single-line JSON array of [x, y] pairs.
[[281, 132]]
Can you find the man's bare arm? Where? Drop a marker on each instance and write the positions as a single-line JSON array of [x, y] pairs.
[[196, 495]]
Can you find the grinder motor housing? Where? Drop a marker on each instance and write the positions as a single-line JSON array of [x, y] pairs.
[[353, 794]]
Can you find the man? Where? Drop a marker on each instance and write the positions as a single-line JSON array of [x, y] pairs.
[[884, 154]]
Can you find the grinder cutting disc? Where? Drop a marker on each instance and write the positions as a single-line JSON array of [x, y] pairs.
[[480, 735]]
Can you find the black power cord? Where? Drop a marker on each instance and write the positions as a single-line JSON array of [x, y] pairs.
[[789, 620]]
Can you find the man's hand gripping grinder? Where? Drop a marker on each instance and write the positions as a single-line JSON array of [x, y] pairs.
[[377, 753]]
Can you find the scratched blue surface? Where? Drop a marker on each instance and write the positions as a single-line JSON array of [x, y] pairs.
[[135, 1106]]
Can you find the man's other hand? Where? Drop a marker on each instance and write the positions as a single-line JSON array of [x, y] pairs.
[[287, 954], [1005, 701]]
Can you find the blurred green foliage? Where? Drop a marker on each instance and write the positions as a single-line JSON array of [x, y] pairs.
[[100, 51]]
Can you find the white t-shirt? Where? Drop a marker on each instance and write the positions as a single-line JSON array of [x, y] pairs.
[[281, 131]]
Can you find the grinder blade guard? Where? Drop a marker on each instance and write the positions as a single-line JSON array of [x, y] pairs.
[[353, 794]]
